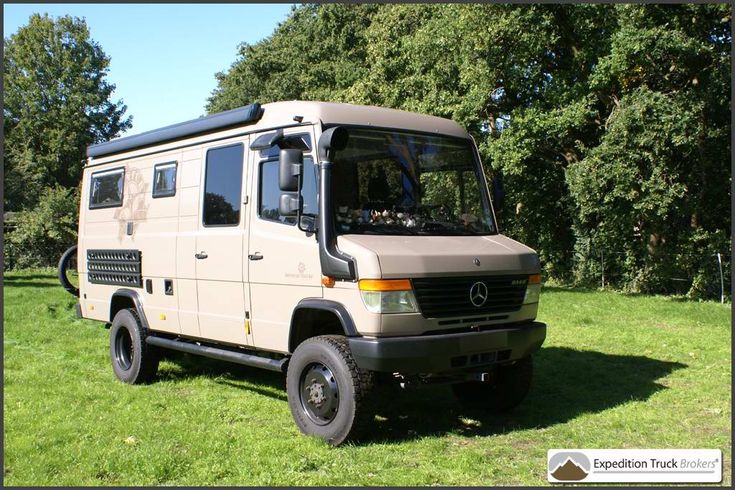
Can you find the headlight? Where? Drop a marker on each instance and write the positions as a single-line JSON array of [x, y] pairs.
[[388, 296], [533, 290]]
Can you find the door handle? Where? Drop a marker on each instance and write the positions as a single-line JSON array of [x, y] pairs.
[[255, 256], [201, 255]]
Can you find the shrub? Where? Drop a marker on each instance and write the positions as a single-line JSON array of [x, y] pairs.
[[43, 233]]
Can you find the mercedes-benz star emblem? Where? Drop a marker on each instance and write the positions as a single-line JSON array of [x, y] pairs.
[[478, 294]]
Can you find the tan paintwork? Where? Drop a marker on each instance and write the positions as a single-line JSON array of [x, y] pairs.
[[288, 272], [213, 297], [425, 256]]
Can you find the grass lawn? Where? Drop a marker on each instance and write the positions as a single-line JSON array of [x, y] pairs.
[[616, 371]]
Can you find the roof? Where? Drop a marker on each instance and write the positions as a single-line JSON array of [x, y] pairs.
[[359, 115], [273, 115]]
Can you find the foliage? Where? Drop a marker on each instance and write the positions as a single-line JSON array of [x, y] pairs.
[[43, 233], [615, 371], [316, 53], [56, 102], [656, 185], [610, 123]]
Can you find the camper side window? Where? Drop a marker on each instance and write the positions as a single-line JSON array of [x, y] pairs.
[[223, 186], [164, 179], [106, 189], [270, 193]]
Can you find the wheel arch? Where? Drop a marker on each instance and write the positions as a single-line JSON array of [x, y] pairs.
[[127, 298], [316, 316]]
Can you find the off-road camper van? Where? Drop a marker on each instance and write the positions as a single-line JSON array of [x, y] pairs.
[[339, 244]]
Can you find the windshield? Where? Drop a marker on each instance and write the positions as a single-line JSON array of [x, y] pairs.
[[394, 183]]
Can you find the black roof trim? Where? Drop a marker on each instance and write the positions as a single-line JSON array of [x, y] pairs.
[[242, 115]]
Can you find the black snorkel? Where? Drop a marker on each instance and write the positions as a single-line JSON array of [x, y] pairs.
[[335, 264]]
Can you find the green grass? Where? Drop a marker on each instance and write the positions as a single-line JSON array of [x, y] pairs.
[[616, 371]]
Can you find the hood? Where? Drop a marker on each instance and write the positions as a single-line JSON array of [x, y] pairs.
[[395, 257]]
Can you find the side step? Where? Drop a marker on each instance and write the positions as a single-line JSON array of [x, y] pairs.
[[221, 354]]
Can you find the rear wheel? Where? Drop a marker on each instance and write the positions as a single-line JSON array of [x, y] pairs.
[[327, 392], [508, 387], [133, 361]]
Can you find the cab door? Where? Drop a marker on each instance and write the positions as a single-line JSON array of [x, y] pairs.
[[220, 243], [283, 261]]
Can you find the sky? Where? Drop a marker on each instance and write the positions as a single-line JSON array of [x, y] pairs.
[[163, 57]]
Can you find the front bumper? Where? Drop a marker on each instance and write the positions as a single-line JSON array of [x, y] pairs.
[[449, 352]]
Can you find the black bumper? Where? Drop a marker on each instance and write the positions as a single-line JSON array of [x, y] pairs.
[[450, 352]]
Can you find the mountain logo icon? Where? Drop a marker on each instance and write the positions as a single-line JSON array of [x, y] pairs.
[[569, 466]]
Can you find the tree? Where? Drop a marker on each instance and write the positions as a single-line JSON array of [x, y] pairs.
[[656, 186], [57, 101], [44, 232], [316, 54], [610, 123]]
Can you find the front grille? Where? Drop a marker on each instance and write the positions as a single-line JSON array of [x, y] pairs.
[[114, 267], [450, 296]]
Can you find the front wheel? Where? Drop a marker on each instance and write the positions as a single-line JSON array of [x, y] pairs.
[[327, 392], [506, 390]]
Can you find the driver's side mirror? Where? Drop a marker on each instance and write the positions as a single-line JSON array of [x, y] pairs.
[[290, 165]]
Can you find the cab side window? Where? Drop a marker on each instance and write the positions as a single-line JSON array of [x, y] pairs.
[[223, 186], [164, 179], [270, 193]]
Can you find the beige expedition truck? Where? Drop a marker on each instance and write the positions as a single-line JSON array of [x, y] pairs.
[[338, 243]]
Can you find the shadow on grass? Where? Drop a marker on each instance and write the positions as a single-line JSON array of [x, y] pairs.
[[29, 284], [269, 383], [20, 276], [567, 383]]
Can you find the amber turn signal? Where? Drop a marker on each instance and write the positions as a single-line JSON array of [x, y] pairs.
[[385, 285], [328, 282], [534, 279]]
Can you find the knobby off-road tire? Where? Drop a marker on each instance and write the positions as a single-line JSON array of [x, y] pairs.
[[64, 262], [327, 393], [133, 361], [507, 390]]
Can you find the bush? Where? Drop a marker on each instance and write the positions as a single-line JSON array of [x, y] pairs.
[[43, 233]]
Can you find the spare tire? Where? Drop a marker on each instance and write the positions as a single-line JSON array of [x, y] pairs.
[[64, 262]]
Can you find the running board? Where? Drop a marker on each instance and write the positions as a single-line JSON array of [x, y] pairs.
[[221, 354]]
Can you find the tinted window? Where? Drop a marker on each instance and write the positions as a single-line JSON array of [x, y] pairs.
[[270, 193], [223, 186], [164, 179], [106, 189]]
